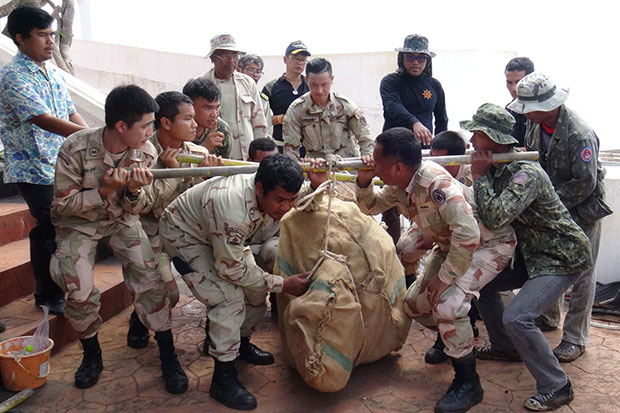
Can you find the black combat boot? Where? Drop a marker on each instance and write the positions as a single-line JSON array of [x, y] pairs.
[[435, 354], [207, 342], [138, 334], [228, 390], [174, 376], [465, 390], [254, 355], [88, 373]]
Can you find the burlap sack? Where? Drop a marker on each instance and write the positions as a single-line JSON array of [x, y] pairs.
[[326, 332]]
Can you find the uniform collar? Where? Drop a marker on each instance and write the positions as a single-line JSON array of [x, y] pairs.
[[251, 202]]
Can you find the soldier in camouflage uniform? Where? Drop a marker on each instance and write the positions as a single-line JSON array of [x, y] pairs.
[[206, 231], [466, 255], [324, 121], [252, 65], [98, 195], [176, 129], [553, 250], [212, 132], [241, 103], [568, 150], [413, 246]]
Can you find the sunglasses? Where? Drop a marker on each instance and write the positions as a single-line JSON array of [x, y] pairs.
[[413, 58]]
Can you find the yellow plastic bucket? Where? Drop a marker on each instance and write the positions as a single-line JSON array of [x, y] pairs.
[[23, 372]]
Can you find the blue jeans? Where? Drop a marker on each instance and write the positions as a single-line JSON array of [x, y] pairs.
[[513, 328]]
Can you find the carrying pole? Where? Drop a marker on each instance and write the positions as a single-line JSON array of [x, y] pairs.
[[233, 167]]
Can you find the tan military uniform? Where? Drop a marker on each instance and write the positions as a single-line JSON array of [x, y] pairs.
[[466, 256], [82, 218], [338, 128], [208, 227], [264, 244], [250, 118], [162, 192], [268, 113], [406, 249]]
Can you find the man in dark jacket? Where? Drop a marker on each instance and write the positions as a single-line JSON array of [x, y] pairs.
[[569, 154]]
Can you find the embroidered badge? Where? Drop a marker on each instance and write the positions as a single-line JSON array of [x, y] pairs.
[[234, 235], [521, 177], [224, 39], [427, 94], [586, 154], [94, 152], [438, 196], [65, 158]]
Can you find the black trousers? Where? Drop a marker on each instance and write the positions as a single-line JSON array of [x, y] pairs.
[[42, 240]]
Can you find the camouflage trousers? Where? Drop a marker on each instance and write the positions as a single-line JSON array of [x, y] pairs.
[[407, 251], [265, 253], [164, 262], [72, 266], [449, 316], [233, 311]]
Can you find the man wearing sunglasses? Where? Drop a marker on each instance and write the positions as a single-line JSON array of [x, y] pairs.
[[241, 104], [411, 98]]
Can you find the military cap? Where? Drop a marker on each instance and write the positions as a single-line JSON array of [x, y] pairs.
[[493, 120], [414, 43], [224, 42], [537, 92], [297, 47]]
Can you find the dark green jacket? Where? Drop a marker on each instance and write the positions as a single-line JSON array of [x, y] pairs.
[[571, 161], [520, 193]]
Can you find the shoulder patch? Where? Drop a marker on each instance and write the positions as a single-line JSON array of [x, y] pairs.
[[520, 177], [264, 96], [438, 196], [64, 158], [234, 235], [586, 154]]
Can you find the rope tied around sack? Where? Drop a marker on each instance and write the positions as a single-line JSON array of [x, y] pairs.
[[329, 185]]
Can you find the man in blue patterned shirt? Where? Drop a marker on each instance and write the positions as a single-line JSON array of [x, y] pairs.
[[37, 113]]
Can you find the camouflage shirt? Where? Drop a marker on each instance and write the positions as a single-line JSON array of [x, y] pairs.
[[251, 122], [571, 160], [520, 193], [339, 127], [436, 202], [164, 191], [82, 162], [226, 149], [223, 212]]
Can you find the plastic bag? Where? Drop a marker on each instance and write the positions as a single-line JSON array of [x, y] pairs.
[[40, 340]]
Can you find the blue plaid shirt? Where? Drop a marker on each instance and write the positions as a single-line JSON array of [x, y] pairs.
[[26, 92]]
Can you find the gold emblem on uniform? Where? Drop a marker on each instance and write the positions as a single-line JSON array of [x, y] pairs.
[[427, 94]]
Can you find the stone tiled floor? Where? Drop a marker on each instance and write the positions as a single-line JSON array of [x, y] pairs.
[[401, 382]]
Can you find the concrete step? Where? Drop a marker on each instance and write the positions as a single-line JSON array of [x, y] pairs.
[[16, 278], [22, 317], [15, 220]]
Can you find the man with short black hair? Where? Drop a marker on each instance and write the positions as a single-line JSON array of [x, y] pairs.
[[241, 103], [467, 255], [36, 114], [262, 148], [175, 130], [325, 122], [516, 69], [288, 87], [101, 186], [205, 230]]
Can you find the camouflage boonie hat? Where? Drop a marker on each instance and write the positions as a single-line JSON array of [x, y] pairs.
[[493, 120], [537, 92], [414, 43], [224, 42]]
